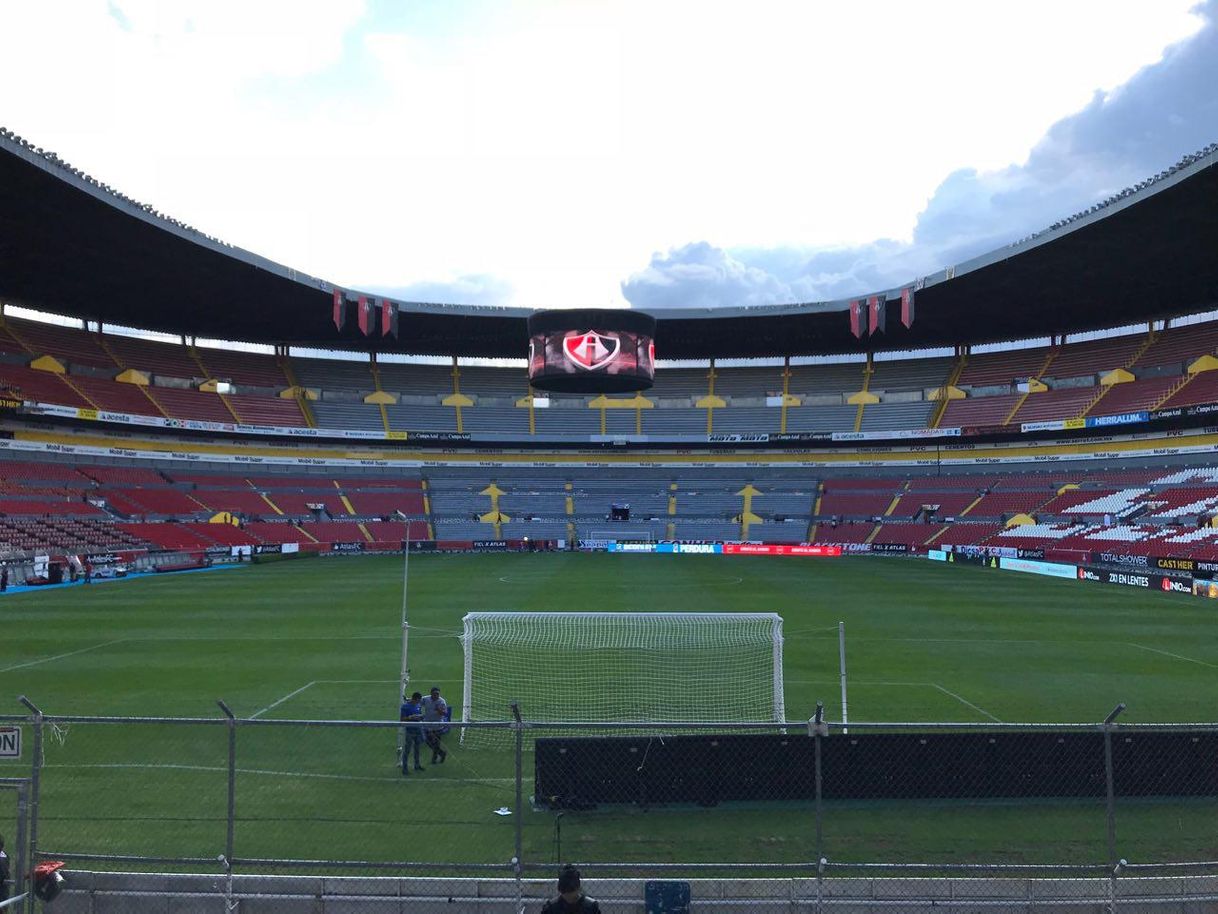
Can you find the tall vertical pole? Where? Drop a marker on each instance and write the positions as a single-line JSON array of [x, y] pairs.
[[518, 825], [405, 676], [231, 817], [1110, 783], [841, 662], [35, 791]]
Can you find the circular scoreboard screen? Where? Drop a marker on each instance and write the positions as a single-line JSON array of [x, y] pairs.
[[591, 350]]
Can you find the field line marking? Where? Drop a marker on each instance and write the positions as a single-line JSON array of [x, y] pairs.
[[287, 774], [965, 701], [1155, 650], [278, 702], [93, 647]]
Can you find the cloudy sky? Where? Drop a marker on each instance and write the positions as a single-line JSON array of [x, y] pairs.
[[603, 152]]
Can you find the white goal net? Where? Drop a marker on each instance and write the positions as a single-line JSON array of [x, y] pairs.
[[601, 666]]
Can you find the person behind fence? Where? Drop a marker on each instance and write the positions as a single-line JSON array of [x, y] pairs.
[[435, 714], [4, 871], [412, 716], [571, 898]]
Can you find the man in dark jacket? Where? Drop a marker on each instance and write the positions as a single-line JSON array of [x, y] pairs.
[[571, 900]]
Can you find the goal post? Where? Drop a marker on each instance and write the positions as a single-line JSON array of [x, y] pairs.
[[628, 667], [637, 535]]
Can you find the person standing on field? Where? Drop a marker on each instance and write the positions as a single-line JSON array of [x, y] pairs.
[[412, 716], [435, 713]]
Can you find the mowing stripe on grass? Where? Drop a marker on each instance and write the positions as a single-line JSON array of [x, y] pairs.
[[455, 782], [92, 647], [874, 682]]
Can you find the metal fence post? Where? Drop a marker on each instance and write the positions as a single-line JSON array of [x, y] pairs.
[[817, 727], [1110, 783], [35, 790], [518, 856], [231, 816]]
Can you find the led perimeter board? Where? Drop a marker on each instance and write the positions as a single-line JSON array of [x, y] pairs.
[[591, 350]]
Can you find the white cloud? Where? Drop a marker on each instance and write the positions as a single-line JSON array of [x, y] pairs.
[[554, 145]]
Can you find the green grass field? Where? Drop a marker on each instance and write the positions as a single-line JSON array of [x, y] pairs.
[[320, 640]]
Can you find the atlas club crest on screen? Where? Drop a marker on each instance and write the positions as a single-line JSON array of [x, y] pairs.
[[590, 350]]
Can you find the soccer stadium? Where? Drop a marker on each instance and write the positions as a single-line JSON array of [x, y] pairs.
[[321, 599]]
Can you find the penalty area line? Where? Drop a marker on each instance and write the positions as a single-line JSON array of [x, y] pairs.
[[965, 701], [1155, 650], [278, 702]]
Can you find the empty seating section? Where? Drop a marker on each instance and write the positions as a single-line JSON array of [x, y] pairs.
[[169, 502], [335, 532], [820, 379], [910, 374], [1180, 346], [191, 404], [347, 414], [1203, 388], [94, 360], [896, 416], [395, 531], [748, 382], [911, 535], [245, 368], [168, 535], [854, 504], [1002, 369], [422, 418], [69, 345], [1134, 396], [1054, 404], [425, 380], [334, 374], [271, 532], [377, 504], [1095, 357], [118, 475], [35, 507], [29, 470], [940, 504], [223, 534], [966, 534], [978, 411], [300, 504], [1000, 503], [115, 397], [170, 360], [41, 386], [821, 418], [844, 533], [284, 412], [247, 501]]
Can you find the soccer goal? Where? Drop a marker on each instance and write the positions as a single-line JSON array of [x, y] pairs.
[[601, 666], [621, 535]]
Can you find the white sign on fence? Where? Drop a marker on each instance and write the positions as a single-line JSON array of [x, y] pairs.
[[10, 742]]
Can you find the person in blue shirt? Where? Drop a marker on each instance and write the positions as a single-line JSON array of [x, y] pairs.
[[412, 716]]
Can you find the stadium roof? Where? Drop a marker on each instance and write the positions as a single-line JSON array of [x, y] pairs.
[[71, 245]]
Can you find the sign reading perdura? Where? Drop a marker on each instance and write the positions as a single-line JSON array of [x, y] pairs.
[[591, 350]]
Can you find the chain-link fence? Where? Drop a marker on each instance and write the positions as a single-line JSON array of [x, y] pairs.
[[811, 815]]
